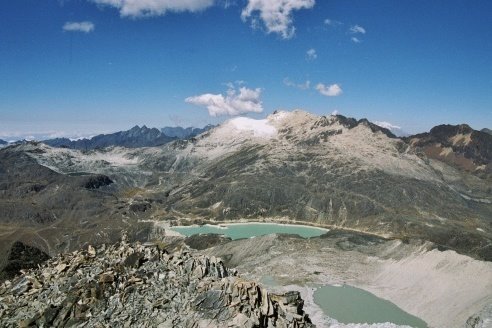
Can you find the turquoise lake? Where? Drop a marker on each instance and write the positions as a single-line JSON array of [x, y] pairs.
[[248, 230], [348, 304]]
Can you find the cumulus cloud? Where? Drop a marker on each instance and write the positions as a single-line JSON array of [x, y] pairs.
[[85, 27], [355, 40], [303, 86], [143, 8], [335, 112], [329, 90], [357, 29], [387, 125], [234, 102], [311, 54], [276, 15]]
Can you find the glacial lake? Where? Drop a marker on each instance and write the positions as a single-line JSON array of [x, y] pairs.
[[348, 304], [248, 230]]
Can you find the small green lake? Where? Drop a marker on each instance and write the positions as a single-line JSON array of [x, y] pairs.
[[248, 230], [348, 304]]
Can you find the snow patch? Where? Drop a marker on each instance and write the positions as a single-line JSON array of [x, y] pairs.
[[260, 128]]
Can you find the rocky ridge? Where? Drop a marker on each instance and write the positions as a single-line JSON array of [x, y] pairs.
[[185, 133], [127, 284]]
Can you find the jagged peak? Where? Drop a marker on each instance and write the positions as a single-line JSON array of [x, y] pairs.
[[451, 129]]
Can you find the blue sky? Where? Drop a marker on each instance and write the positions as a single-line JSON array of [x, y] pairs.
[[414, 64]]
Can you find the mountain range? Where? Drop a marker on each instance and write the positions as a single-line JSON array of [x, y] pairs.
[[133, 138], [329, 171]]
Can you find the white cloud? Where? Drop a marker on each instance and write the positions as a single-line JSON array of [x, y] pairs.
[[311, 54], [235, 102], [303, 86], [329, 90], [335, 112], [275, 14], [357, 29], [85, 27], [387, 125], [143, 8], [355, 40], [331, 22]]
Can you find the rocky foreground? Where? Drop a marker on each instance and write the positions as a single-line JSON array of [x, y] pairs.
[[128, 285]]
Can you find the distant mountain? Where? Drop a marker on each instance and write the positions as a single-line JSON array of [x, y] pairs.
[[3, 143], [133, 138], [457, 145], [185, 133], [489, 131]]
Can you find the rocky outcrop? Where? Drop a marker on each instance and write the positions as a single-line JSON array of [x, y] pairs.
[[96, 181], [204, 241], [482, 319], [140, 285], [22, 256]]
